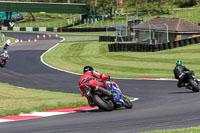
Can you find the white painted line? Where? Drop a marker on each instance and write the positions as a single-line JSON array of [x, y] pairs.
[[21, 87], [44, 114], [41, 58], [5, 120], [135, 99], [63, 39]]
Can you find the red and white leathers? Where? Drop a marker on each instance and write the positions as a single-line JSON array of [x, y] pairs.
[[93, 78]]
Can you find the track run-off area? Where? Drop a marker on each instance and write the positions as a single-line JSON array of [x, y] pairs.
[[161, 104]]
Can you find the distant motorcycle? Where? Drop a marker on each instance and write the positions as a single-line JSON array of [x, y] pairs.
[[190, 81], [3, 61], [104, 101], [3, 58]]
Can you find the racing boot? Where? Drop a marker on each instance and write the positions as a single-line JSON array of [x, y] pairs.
[[90, 102], [87, 91]]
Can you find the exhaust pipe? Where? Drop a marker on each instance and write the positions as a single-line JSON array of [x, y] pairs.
[[102, 90]]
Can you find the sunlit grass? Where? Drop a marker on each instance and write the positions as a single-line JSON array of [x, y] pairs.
[[74, 56], [14, 100]]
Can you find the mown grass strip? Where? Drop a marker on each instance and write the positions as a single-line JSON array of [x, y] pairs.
[[74, 56], [6, 38], [185, 130], [14, 100]]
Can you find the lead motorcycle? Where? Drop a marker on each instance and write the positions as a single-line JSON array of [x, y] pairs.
[[104, 99], [190, 82], [3, 61]]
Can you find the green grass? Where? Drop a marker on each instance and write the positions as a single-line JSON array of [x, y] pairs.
[[14, 100], [187, 14], [74, 56], [6, 38], [185, 130], [90, 33], [46, 20], [61, 20]]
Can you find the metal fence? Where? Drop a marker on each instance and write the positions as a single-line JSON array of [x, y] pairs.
[[154, 34]]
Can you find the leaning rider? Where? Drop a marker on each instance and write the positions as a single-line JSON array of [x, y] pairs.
[[179, 73], [6, 44], [5, 54], [92, 78]]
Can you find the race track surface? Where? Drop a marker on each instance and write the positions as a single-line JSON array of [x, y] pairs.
[[161, 104]]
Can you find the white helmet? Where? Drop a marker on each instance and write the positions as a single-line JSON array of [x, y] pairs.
[[5, 52]]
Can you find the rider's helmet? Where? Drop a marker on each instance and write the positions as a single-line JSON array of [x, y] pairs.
[[179, 62], [87, 68], [8, 41], [5, 52]]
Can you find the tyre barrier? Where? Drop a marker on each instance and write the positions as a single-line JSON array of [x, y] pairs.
[[181, 43], [165, 46], [135, 47], [191, 40], [176, 44], [197, 40], [156, 48], [170, 45], [160, 47], [186, 42]]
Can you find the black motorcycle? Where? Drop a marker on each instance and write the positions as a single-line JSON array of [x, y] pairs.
[[190, 82]]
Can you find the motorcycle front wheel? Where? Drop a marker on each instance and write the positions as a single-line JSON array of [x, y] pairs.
[[3, 63], [106, 105], [127, 103], [195, 87]]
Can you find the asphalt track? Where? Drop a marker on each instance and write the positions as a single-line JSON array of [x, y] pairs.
[[161, 106]]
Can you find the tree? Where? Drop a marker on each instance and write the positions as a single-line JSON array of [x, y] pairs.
[[159, 5], [147, 8], [153, 4], [136, 7], [172, 4]]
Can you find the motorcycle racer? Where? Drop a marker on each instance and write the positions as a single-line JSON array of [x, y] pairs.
[[7, 44], [179, 73], [94, 79], [5, 54]]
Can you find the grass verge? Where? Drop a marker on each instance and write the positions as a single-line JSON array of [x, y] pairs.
[[185, 130], [74, 56], [14, 100], [6, 38]]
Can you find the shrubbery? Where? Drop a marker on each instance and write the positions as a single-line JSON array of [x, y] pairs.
[[188, 3]]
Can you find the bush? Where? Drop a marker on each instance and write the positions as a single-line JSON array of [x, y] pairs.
[[188, 3]]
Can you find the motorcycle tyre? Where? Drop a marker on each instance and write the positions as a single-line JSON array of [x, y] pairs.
[[127, 103], [3, 63], [194, 85], [103, 105]]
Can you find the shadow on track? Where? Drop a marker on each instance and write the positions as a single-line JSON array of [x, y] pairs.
[[98, 110], [181, 92]]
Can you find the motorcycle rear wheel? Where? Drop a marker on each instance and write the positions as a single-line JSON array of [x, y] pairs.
[[104, 105], [195, 87]]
